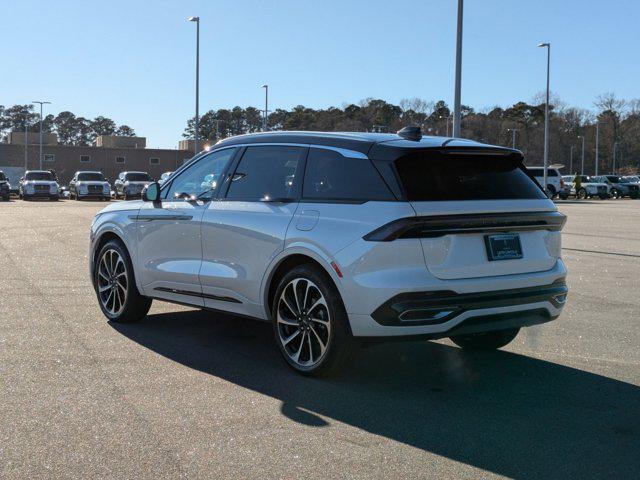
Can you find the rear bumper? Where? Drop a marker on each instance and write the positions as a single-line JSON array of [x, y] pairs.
[[440, 314]]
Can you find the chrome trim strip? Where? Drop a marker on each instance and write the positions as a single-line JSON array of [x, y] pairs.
[[150, 218], [197, 294], [343, 151]]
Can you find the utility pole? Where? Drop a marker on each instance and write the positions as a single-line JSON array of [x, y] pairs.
[[26, 140], [615, 150], [457, 117], [513, 136]]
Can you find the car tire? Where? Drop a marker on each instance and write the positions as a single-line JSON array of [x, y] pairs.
[[310, 323], [485, 340], [115, 286], [582, 194], [615, 193]]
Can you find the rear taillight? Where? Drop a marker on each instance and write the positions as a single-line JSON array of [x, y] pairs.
[[439, 226]]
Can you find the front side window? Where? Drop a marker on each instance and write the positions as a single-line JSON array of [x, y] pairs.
[[331, 176], [428, 177], [3, 177], [201, 179], [267, 173]]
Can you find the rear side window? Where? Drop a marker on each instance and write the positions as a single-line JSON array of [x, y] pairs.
[[268, 172], [539, 172], [331, 176], [428, 177]]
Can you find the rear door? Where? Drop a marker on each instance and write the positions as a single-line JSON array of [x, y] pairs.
[[479, 215], [246, 228]]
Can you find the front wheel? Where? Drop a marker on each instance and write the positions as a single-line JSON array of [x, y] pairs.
[[310, 323], [114, 282], [486, 340], [582, 194]]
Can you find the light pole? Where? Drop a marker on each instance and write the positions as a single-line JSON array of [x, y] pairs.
[[456, 102], [615, 150], [26, 137], [582, 160], [571, 159], [513, 136], [41, 103], [266, 107], [597, 145], [546, 116], [197, 126]]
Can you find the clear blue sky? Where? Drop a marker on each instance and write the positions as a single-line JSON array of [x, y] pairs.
[[133, 60]]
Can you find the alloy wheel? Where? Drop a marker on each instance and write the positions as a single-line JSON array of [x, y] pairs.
[[303, 323], [113, 282]]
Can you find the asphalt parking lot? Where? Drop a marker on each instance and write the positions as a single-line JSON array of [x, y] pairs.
[[191, 394]]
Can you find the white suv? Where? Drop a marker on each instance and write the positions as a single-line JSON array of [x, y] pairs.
[[555, 182], [338, 238]]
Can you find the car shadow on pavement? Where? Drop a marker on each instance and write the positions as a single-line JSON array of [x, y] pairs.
[[506, 413]]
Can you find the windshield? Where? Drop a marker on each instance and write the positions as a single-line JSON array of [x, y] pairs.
[[633, 179], [138, 177], [91, 177], [465, 177], [38, 176], [613, 179]]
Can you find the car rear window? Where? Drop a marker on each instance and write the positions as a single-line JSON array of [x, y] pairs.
[[539, 171], [428, 177]]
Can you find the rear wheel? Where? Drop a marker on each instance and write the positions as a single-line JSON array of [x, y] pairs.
[[582, 194], [114, 282], [310, 323], [485, 340]]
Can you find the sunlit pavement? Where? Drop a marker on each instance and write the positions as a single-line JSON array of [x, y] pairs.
[[194, 394]]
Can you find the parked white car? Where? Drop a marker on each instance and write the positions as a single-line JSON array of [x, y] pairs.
[[555, 184], [38, 184], [337, 238], [130, 184], [589, 187]]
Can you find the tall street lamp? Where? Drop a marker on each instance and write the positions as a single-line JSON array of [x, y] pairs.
[[266, 107], [41, 103], [582, 160], [615, 151], [26, 137], [456, 102], [513, 136], [546, 116], [197, 126], [571, 158], [597, 145]]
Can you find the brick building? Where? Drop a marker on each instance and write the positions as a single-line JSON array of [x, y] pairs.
[[114, 155]]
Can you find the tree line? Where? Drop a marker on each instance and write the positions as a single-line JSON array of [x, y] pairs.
[[70, 129], [618, 123]]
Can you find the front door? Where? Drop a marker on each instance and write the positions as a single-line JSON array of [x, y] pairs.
[[245, 229], [169, 233]]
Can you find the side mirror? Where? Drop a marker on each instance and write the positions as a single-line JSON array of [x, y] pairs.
[[152, 193]]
